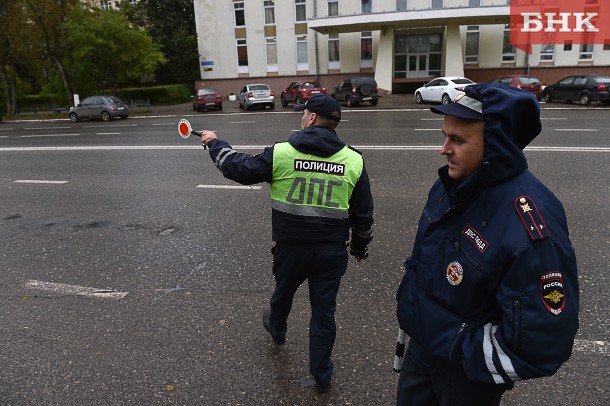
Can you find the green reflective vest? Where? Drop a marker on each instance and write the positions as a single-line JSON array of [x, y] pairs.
[[309, 185]]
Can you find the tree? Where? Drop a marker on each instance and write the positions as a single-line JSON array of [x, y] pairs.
[[171, 24], [108, 51]]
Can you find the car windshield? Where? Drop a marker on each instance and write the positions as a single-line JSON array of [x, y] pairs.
[[463, 81], [602, 79], [207, 91], [311, 85], [113, 99], [259, 87], [528, 80]]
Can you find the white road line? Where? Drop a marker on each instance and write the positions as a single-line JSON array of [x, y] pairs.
[[259, 147], [7, 129], [577, 129], [75, 290], [47, 135], [107, 133], [242, 122], [427, 129], [3, 136], [229, 187], [110, 125], [48, 182], [598, 347], [45, 128]]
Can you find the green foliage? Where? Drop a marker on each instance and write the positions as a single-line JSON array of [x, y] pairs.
[[108, 53], [166, 94]]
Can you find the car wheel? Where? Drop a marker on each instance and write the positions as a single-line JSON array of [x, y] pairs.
[[418, 98], [297, 101], [219, 107], [74, 117], [283, 101], [106, 116], [349, 102], [374, 102], [446, 99], [272, 106], [584, 99], [546, 97]]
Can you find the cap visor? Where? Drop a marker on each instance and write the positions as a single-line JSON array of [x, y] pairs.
[[457, 110], [299, 107]]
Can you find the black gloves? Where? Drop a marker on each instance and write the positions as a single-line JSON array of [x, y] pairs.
[[359, 251]]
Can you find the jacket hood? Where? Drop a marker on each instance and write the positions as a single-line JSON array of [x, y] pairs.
[[317, 140], [512, 121]]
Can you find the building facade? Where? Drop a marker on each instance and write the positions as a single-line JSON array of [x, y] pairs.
[[402, 43]]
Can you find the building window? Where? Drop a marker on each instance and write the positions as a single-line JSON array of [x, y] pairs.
[[333, 48], [474, 3], [106, 5], [300, 10], [240, 19], [366, 46], [437, 3], [302, 57], [607, 45], [242, 53], [366, 6], [586, 52], [271, 54], [547, 52], [471, 54], [333, 7], [401, 5], [269, 12], [567, 46], [508, 51]]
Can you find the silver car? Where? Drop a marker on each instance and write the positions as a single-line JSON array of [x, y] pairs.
[[256, 95], [104, 107]]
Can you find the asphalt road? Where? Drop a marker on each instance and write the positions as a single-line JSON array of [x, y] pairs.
[[131, 274]]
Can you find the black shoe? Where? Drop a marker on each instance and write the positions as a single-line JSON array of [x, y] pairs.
[[267, 324], [321, 389]]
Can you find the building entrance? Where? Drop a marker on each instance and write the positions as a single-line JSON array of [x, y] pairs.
[[417, 55]]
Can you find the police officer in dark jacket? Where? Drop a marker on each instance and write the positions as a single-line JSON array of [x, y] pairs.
[[490, 291], [319, 192]]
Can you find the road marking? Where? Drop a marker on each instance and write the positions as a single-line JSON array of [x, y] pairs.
[[242, 122], [598, 347], [45, 128], [49, 182], [258, 147], [577, 129], [3, 136], [75, 290], [427, 129], [107, 133], [229, 187], [47, 135], [110, 125], [7, 129]]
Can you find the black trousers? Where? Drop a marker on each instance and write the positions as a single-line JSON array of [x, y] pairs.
[[427, 381], [323, 266]]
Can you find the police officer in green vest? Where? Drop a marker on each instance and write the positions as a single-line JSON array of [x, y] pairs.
[[319, 193]]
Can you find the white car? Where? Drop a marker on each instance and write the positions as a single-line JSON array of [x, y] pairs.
[[257, 94], [442, 90]]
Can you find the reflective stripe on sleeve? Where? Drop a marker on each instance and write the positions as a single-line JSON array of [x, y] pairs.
[[488, 351], [310, 211], [507, 365], [222, 155]]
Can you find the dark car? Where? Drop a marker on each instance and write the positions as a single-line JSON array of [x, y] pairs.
[[582, 88], [525, 82], [207, 99], [104, 107], [300, 92], [354, 91]]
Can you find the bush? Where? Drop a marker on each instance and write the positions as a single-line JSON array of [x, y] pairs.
[[167, 94]]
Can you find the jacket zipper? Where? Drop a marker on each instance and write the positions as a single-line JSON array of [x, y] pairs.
[[456, 340], [516, 322]]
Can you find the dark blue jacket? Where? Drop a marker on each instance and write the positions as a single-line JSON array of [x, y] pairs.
[[492, 280], [317, 140]]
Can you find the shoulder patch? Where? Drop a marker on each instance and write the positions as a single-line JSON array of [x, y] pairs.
[[552, 292], [531, 218]]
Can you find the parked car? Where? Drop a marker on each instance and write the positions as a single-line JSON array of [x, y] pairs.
[[256, 95], [442, 90], [207, 99], [354, 91], [525, 82], [300, 92], [582, 88], [104, 107]]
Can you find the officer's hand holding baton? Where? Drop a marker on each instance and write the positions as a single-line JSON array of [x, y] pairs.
[[207, 136]]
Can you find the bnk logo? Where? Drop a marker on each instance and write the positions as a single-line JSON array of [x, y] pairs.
[[558, 22]]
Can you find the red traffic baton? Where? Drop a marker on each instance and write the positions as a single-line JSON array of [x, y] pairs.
[[185, 130]]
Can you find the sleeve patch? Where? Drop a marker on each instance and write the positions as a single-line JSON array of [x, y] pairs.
[[531, 218], [552, 292]]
